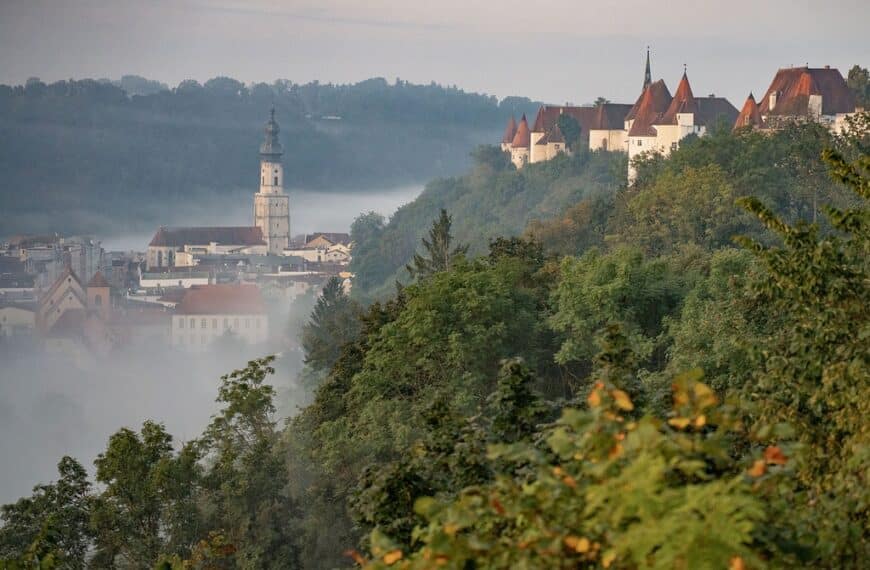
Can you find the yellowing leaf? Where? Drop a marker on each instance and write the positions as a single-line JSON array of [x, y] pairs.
[[608, 558], [578, 544], [773, 454], [441, 560], [758, 468], [615, 451], [701, 421], [392, 557], [450, 529], [623, 402], [594, 399], [704, 395], [679, 423], [737, 563], [570, 481]]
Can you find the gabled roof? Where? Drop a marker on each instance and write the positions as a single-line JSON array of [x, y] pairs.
[[510, 131], [749, 115], [793, 87], [683, 102], [221, 299], [661, 97], [523, 137], [67, 273], [332, 237], [648, 111], [180, 236], [548, 116], [98, 280], [610, 116]]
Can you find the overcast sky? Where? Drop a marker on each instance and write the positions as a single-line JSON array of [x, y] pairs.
[[552, 50]]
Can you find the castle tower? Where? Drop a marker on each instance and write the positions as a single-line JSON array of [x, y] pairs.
[[271, 204]]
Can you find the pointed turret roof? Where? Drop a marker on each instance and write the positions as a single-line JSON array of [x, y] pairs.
[[98, 280], [650, 110], [510, 131], [523, 137], [749, 116], [683, 102]]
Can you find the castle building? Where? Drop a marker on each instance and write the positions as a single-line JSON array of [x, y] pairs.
[[801, 94], [169, 242], [271, 204]]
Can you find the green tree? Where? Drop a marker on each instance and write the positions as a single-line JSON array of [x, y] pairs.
[[148, 506], [439, 254], [52, 525], [247, 480], [858, 81], [571, 130], [815, 367], [334, 322]]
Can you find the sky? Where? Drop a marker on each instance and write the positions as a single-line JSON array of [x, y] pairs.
[[555, 51]]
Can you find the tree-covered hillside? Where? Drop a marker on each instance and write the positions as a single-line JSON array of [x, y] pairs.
[[673, 375], [72, 148]]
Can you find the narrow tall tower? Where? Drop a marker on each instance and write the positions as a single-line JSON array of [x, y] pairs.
[[647, 76], [271, 204]]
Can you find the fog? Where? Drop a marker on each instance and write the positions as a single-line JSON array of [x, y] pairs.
[[310, 211], [55, 405]]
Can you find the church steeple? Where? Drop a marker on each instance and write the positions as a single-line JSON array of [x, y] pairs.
[[647, 76], [271, 148]]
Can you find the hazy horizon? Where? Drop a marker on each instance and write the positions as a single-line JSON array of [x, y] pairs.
[[552, 51]]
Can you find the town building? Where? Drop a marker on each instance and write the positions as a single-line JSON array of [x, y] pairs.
[[17, 321], [208, 313], [323, 247], [168, 242], [271, 204]]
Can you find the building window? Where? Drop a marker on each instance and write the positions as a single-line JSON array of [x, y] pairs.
[[181, 323], [214, 323], [203, 323], [276, 181], [673, 146], [257, 322], [247, 323], [192, 323], [226, 322], [98, 300], [639, 142], [236, 322]]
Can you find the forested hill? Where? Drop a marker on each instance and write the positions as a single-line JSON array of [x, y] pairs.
[[79, 146]]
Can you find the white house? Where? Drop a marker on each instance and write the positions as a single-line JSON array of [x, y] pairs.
[[207, 313]]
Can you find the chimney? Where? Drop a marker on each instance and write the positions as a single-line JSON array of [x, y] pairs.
[[827, 67], [771, 102]]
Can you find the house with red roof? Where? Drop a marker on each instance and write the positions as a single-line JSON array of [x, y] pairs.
[[800, 94], [208, 313]]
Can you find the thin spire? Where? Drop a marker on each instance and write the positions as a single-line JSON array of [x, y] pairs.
[[647, 76]]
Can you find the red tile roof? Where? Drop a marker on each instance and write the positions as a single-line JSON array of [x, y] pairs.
[[98, 280], [683, 102], [229, 299], [522, 138], [652, 105], [749, 116], [177, 237], [510, 131], [793, 87]]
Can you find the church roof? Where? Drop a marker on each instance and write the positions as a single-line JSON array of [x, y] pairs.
[[749, 116], [67, 273], [510, 131], [221, 299], [522, 138], [793, 87], [181, 236], [682, 102], [98, 280]]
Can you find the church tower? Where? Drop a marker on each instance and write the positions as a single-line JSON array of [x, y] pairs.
[[271, 204]]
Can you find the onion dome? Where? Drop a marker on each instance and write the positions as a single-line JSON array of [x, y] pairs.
[[271, 148]]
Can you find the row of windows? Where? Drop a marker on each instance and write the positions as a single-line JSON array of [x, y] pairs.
[[203, 323]]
